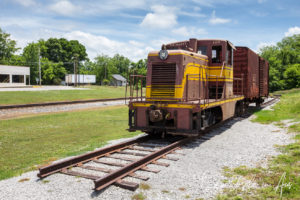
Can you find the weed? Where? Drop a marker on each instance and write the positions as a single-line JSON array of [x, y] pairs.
[[139, 196], [144, 186], [187, 196], [165, 191], [224, 181], [45, 181]]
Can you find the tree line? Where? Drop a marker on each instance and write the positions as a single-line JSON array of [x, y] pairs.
[[57, 57], [284, 62]]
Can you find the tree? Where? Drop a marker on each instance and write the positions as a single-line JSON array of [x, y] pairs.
[[62, 50], [292, 76], [31, 57], [284, 61], [52, 73], [7, 46]]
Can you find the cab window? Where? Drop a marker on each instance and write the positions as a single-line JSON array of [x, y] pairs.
[[216, 54], [202, 50]]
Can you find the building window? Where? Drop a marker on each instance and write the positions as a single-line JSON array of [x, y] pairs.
[[18, 78], [4, 78], [202, 50], [216, 54]]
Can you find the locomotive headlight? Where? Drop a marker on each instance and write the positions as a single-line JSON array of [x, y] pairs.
[[163, 54]]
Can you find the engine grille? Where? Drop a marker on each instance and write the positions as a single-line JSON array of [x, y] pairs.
[[163, 81]]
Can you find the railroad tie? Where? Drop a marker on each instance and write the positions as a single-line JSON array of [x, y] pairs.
[[133, 159], [133, 153], [121, 183], [100, 169]]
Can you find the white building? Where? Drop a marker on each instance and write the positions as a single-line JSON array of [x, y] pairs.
[[80, 79], [12, 76]]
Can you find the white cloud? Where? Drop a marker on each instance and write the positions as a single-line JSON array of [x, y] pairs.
[[192, 14], [65, 8], [189, 32], [97, 45], [292, 31], [214, 3], [25, 3], [264, 44], [217, 20], [162, 17]]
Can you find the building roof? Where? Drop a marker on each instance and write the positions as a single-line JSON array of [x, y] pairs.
[[118, 77]]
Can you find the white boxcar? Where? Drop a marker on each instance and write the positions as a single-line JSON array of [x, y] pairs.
[[81, 79]]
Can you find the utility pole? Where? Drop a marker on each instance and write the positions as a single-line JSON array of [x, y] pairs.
[[105, 70], [75, 78], [40, 73]]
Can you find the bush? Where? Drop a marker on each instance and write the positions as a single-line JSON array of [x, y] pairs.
[[105, 82]]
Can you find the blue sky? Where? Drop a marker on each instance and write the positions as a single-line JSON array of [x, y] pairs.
[[135, 27]]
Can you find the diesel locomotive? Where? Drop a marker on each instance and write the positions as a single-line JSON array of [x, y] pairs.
[[193, 84]]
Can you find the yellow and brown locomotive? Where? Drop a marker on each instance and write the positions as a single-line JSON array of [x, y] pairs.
[[190, 85]]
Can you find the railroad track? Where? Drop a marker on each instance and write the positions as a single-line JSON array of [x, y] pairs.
[[3, 107], [141, 152], [272, 101]]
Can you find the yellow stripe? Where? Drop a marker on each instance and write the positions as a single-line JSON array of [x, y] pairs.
[[173, 54], [187, 105]]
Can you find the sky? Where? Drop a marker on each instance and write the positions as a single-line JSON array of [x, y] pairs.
[[132, 28]]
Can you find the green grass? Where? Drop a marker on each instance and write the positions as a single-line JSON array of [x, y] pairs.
[[287, 108], [139, 196], [145, 186], [95, 92], [31, 141], [286, 165]]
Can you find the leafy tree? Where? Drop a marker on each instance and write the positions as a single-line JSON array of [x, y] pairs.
[[62, 50], [292, 76], [284, 61], [31, 56], [7, 46], [52, 73]]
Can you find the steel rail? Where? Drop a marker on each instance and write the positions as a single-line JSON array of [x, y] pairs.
[[2, 107], [265, 104], [117, 175], [59, 166]]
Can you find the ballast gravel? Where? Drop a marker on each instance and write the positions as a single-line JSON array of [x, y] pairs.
[[197, 174]]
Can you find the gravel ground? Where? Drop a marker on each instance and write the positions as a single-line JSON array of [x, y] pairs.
[[17, 112], [41, 88], [197, 174]]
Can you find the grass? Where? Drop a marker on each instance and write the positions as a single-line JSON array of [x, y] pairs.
[[95, 92], [144, 186], [281, 179], [139, 196], [39, 140], [287, 108]]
